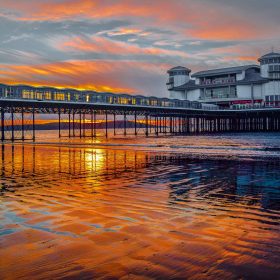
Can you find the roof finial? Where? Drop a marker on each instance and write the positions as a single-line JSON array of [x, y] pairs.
[[272, 49]]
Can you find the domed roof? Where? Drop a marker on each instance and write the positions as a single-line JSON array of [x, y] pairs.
[[179, 68], [269, 55]]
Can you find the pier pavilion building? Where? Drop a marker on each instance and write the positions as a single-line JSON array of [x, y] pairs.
[[234, 87]]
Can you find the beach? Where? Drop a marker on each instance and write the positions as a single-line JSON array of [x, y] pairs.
[[169, 207]]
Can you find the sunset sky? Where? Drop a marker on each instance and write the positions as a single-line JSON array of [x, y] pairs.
[[127, 46]]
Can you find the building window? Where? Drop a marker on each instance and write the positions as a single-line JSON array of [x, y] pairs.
[[47, 95], [272, 101], [38, 95], [59, 96], [274, 75], [27, 94], [220, 93]]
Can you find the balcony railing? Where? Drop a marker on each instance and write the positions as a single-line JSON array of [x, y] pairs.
[[225, 96]]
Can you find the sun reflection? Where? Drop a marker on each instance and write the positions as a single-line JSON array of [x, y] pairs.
[[94, 160]]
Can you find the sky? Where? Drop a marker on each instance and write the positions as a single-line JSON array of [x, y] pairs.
[[127, 46]]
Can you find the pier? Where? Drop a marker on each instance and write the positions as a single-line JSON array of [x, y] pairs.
[[82, 114]]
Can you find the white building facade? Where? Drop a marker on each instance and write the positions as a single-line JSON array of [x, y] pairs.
[[233, 87]]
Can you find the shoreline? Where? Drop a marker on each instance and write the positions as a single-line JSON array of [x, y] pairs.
[[190, 152]]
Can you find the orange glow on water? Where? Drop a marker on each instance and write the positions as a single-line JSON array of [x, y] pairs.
[[76, 204]]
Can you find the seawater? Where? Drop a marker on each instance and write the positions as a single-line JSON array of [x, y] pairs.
[[180, 207]]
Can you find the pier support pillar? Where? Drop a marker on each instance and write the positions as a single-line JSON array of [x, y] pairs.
[[124, 123], [33, 125], [69, 124], [13, 127], [59, 120], [135, 123], [156, 124], [265, 124], [73, 126], [106, 124], [114, 123], [80, 124], [2, 124], [91, 124], [94, 123], [84, 124], [22, 124], [146, 125]]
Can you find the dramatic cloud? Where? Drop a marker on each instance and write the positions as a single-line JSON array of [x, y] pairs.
[[128, 45], [102, 45]]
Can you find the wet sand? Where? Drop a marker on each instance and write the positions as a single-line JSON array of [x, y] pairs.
[[87, 213]]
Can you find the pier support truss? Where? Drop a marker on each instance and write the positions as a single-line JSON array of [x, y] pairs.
[[19, 122]]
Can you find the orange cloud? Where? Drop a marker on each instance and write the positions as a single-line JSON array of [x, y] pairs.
[[109, 76], [128, 31], [62, 75], [198, 19], [236, 53], [102, 45], [161, 24]]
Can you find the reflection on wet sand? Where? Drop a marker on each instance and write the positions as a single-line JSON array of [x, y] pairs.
[[88, 213]]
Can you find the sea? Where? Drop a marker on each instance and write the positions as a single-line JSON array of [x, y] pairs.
[[136, 207]]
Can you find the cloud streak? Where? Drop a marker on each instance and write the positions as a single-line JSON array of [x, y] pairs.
[[101, 45]]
